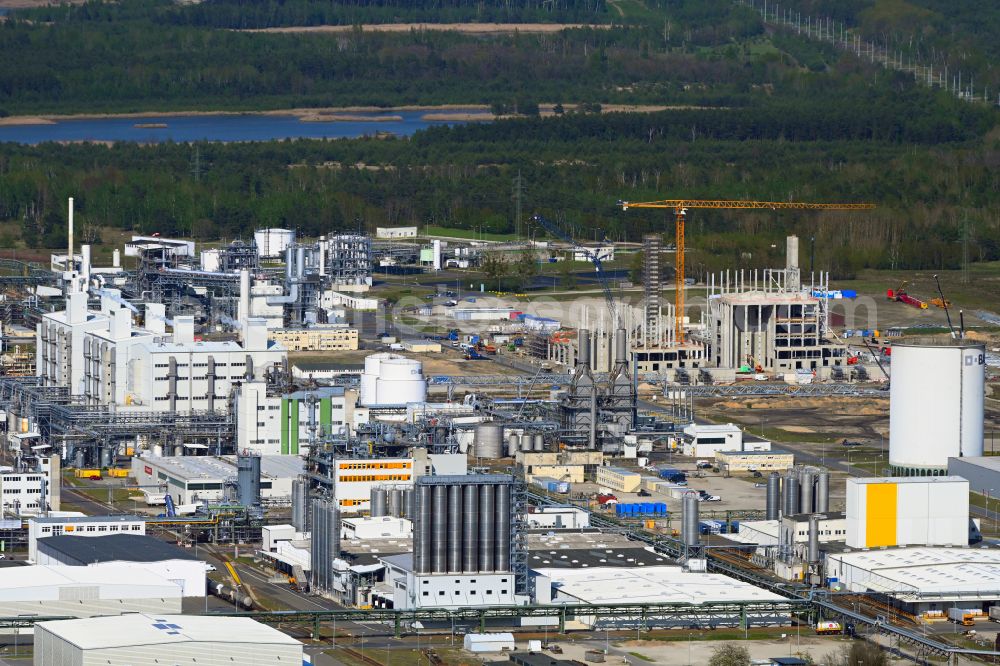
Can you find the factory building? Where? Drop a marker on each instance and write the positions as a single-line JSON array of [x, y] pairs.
[[925, 581], [29, 492], [284, 424], [42, 527], [705, 441], [467, 548], [739, 462], [395, 232], [982, 473], [144, 552], [99, 589], [193, 479], [907, 511], [59, 357], [187, 375], [320, 337], [165, 639], [355, 479], [558, 517], [618, 479], [927, 427]]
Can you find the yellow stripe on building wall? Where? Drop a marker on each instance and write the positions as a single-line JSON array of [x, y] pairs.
[[880, 515]]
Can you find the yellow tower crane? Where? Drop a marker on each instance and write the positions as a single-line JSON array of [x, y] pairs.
[[680, 207]]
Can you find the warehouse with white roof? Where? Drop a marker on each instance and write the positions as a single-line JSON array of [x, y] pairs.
[[127, 640], [649, 585], [100, 589], [923, 579]]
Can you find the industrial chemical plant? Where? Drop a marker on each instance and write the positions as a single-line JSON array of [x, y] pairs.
[[253, 430]]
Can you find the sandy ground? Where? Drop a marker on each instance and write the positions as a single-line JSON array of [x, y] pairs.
[[469, 28], [683, 653], [347, 118]]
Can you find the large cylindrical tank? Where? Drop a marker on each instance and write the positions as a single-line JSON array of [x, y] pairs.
[[538, 443], [400, 382], [300, 494], [369, 378], [79, 459], [422, 530], [248, 479], [773, 506], [487, 527], [271, 243], [823, 491], [806, 481], [790, 494], [526, 443], [470, 529], [105, 457], [454, 518], [409, 503], [439, 534], [489, 441], [503, 533], [396, 502], [513, 443], [379, 504], [690, 525], [813, 551], [935, 404]]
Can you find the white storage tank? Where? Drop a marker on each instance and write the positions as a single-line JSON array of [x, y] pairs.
[[271, 243], [369, 378], [936, 404], [210, 260], [401, 381]]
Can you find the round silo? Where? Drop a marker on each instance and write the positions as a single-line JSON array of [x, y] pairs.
[[395, 504], [369, 378], [378, 506], [401, 381], [690, 524], [936, 404], [513, 443], [409, 504], [526, 443], [773, 506], [489, 441], [538, 443]]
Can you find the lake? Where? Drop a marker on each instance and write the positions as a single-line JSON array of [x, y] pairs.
[[243, 127]]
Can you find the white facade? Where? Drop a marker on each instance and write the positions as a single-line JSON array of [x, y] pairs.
[[602, 252], [907, 511], [704, 441], [81, 526], [460, 590], [59, 343], [164, 639], [926, 427], [395, 232], [188, 574], [558, 517], [382, 527], [28, 493], [101, 589], [187, 375], [355, 479]]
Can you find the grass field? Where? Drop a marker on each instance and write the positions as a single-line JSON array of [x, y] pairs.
[[470, 234]]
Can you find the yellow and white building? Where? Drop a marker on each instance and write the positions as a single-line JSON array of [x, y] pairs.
[[907, 511], [317, 338]]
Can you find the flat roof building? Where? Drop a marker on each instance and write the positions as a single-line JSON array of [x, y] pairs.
[[191, 479], [618, 479], [166, 639]]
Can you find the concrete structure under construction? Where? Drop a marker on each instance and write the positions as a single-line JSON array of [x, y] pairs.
[[766, 321]]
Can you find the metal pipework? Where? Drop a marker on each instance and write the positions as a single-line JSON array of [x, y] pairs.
[[210, 376]]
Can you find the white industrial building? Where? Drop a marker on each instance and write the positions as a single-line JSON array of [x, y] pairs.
[[704, 440], [29, 492], [792, 531], [395, 232], [192, 479], [460, 590], [907, 511], [560, 517], [929, 426], [144, 552], [100, 589], [923, 579], [646, 584], [42, 527], [380, 527], [163, 639], [280, 424]]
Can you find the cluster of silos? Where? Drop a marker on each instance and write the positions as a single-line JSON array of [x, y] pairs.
[[489, 441], [248, 479], [325, 546], [463, 524], [394, 501], [801, 490]]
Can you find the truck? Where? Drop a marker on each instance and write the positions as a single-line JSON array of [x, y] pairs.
[[995, 613], [825, 628], [606, 498], [962, 616]]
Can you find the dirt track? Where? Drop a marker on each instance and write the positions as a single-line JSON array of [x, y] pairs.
[[468, 28]]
